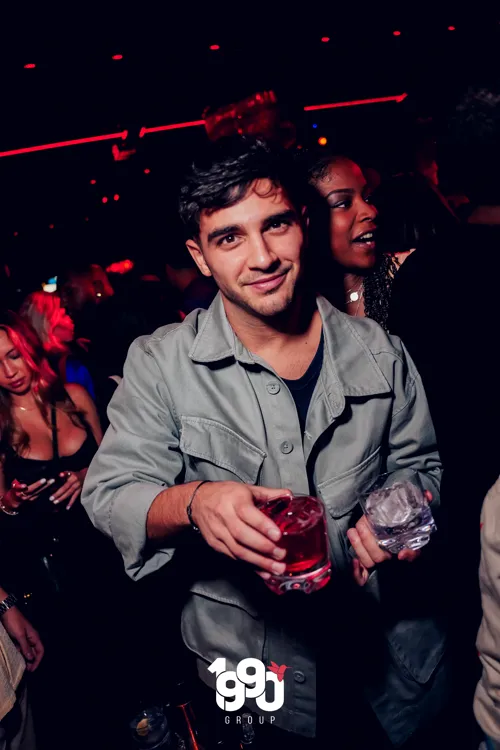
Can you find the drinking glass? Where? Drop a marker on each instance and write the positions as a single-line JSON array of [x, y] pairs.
[[150, 729], [302, 521], [398, 511]]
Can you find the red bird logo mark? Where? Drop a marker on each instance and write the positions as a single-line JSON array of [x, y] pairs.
[[279, 671]]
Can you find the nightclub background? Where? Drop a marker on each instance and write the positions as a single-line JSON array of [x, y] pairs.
[[103, 110], [117, 73]]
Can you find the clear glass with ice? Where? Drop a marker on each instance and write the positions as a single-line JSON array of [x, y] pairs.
[[398, 512]]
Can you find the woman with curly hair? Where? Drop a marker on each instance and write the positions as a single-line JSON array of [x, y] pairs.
[[352, 275]]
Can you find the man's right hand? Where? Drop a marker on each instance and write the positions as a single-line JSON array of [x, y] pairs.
[[229, 521]]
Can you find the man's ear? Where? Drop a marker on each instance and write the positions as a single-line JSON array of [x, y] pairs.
[[197, 255]]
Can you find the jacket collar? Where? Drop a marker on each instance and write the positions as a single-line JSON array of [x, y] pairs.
[[350, 363], [216, 340], [348, 354]]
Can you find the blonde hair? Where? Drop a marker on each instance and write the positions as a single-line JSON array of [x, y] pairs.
[[46, 386], [39, 309]]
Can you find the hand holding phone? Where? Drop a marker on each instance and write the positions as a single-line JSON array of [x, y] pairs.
[[70, 487]]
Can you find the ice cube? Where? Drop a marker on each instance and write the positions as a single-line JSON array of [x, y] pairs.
[[392, 506]]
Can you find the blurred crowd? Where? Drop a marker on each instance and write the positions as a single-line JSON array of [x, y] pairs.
[[421, 264]]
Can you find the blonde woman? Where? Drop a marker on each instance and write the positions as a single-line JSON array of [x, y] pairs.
[[50, 554]]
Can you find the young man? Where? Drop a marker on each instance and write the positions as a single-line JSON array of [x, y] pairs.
[[269, 389]]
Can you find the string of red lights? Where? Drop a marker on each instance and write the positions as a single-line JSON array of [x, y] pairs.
[[189, 124], [217, 47]]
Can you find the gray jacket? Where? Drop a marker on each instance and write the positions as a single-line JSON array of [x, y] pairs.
[[196, 404]]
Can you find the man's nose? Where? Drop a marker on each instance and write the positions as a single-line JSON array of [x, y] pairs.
[[261, 256]]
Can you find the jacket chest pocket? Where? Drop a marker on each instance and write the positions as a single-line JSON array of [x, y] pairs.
[[215, 452], [340, 497], [340, 493]]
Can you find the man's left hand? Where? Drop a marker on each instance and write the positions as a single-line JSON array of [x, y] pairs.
[[369, 553]]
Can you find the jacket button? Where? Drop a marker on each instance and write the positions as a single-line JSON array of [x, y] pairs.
[[273, 388], [299, 676], [286, 447]]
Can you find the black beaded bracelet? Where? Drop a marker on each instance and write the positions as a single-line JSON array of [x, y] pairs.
[[189, 509]]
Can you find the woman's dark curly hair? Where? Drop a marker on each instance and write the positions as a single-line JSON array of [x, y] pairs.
[[330, 276], [378, 289]]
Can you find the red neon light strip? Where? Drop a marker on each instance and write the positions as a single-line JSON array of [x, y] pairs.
[[311, 108], [356, 102], [175, 126], [30, 149], [189, 124]]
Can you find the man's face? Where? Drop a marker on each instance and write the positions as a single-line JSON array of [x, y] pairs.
[[77, 292], [253, 250]]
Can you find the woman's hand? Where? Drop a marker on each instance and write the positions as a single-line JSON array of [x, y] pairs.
[[21, 493], [24, 636], [70, 490]]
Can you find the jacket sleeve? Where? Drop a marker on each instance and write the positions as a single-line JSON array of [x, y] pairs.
[[487, 698], [138, 458], [412, 440]]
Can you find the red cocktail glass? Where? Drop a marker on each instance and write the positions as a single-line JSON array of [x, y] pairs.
[[301, 519]]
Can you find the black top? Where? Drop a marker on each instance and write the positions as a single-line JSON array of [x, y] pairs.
[[302, 389], [32, 536], [29, 470]]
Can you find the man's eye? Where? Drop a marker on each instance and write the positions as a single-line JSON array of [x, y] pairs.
[[229, 239], [279, 224]]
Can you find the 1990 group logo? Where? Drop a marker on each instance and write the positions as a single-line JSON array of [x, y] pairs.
[[248, 681]]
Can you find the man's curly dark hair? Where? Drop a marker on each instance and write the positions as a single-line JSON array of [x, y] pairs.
[[225, 171]]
